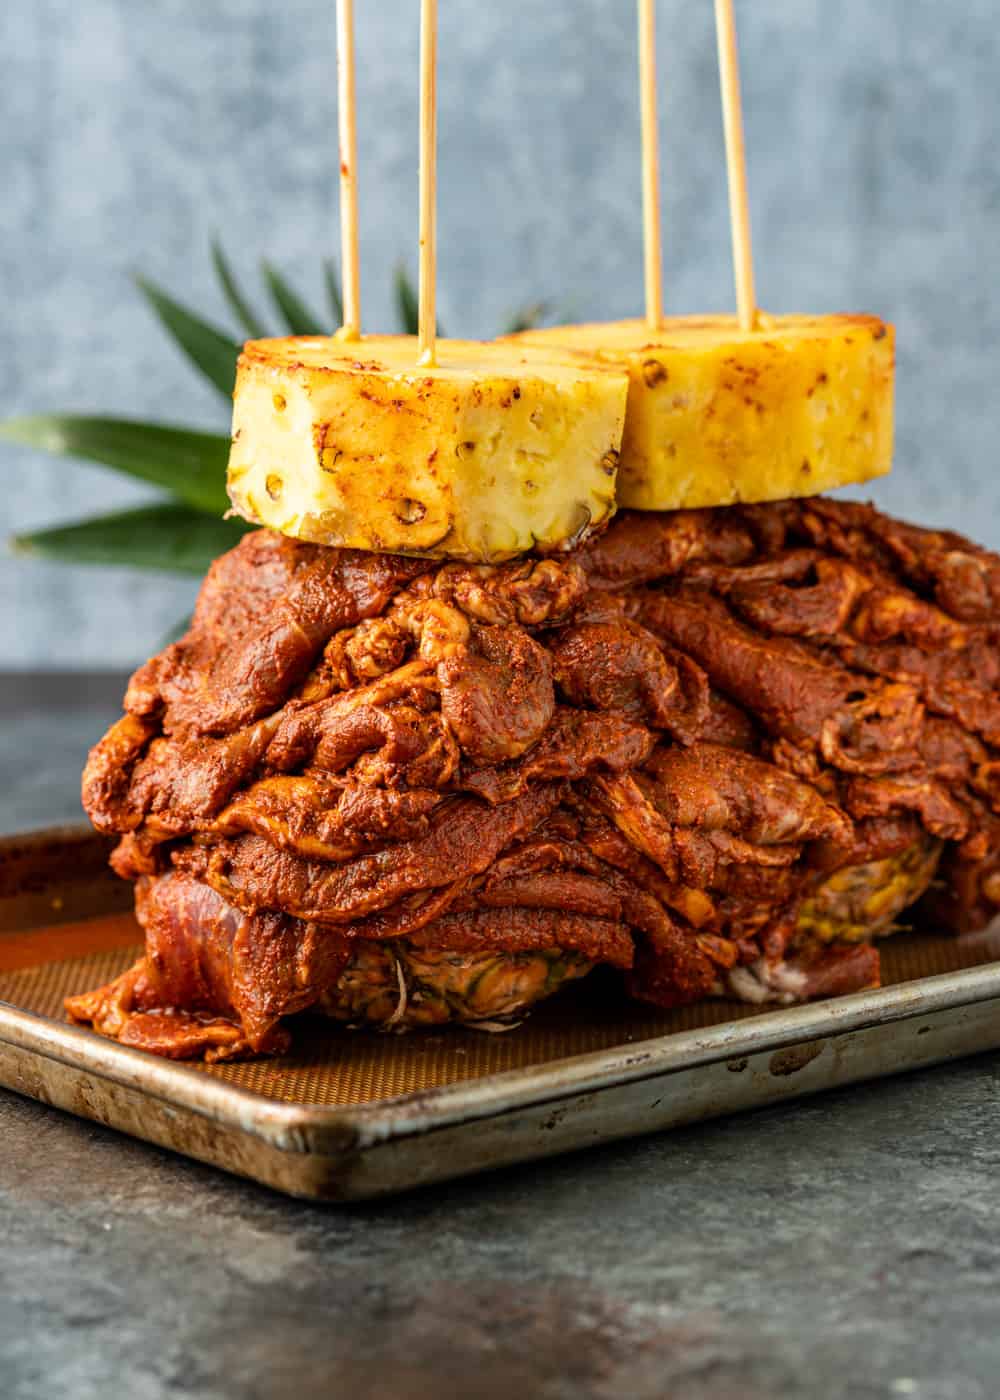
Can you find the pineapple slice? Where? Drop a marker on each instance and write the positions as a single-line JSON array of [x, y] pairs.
[[495, 450], [718, 415]]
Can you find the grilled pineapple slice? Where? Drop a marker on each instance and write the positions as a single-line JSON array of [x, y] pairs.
[[495, 450], [718, 415]]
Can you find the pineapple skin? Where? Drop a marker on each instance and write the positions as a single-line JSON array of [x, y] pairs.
[[717, 415], [444, 985], [863, 901], [494, 451]]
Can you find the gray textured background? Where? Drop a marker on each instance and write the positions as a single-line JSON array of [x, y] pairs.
[[133, 131]]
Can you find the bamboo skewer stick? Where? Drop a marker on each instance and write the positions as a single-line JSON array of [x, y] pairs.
[[427, 331], [736, 164], [651, 230], [348, 132]]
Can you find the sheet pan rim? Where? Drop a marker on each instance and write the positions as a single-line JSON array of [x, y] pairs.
[[348, 1128], [344, 1129]]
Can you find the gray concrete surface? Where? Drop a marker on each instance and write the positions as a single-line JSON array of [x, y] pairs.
[[132, 132], [847, 1247]]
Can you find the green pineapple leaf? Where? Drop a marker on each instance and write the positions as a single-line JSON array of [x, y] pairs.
[[333, 295], [237, 302], [407, 306], [527, 317], [296, 315], [214, 353], [190, 465], [175, 633], [171, 537]]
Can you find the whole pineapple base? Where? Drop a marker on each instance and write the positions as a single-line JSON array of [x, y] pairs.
[[393, 986], [864, 901]]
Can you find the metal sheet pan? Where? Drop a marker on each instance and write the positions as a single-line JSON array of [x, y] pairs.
[[347, 1117]]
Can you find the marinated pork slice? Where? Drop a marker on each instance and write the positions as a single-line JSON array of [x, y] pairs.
[[718, 750]]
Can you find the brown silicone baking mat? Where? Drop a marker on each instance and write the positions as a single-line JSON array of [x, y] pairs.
[[330, 1066]]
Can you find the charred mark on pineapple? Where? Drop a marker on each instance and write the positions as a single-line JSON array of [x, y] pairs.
[[653, 373], [409, 511], [329, 457], [609, 462]]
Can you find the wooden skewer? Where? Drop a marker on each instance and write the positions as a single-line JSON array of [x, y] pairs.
[[427, 331], [736, 163], [347, 124], [651, 231]]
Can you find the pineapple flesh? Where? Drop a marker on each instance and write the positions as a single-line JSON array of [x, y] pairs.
[[495, 450], [717, 415]]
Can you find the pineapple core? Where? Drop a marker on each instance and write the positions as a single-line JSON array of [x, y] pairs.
[[497, 449], [717, 415]]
